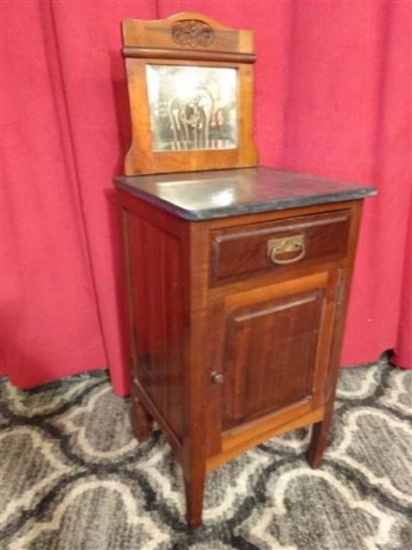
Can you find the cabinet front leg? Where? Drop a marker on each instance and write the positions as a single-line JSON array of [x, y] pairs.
[[141, 420], [194, 490]]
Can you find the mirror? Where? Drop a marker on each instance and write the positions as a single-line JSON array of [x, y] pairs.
[[192, 107]]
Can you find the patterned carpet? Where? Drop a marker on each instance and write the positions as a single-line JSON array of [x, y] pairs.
[[72, 476]]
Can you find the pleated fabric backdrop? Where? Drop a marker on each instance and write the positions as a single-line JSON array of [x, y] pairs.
[[332, 97]]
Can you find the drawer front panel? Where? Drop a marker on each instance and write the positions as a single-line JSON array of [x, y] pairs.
[[247, 250]]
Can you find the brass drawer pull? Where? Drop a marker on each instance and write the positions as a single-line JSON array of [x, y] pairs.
[[277, 248]]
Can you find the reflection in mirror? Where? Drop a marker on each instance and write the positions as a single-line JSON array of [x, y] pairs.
[[192, 107]]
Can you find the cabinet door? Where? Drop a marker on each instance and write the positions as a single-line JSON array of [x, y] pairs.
[[275, 344]]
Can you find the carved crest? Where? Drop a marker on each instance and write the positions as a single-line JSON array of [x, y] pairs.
[[193, 33]]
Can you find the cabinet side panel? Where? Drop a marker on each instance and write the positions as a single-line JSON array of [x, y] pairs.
[[155, 263]]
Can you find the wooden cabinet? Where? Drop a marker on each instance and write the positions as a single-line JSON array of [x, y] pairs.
[[238, 276], [236, 308]]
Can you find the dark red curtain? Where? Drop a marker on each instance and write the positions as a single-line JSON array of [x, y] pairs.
[[332, 97]]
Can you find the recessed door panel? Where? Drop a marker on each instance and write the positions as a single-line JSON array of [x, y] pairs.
[[271, 350]]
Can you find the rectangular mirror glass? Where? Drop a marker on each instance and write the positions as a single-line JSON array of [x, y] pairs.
[[192, 107]]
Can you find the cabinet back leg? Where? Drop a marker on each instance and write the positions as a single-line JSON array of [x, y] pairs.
[[141, 420], [318, 441]]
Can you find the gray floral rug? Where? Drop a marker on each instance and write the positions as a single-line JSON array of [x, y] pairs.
[[72, 477]]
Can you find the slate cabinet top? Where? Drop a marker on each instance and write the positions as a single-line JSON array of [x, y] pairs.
[[222, 193]]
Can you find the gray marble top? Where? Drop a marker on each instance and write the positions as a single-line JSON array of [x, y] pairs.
[[222, 193]]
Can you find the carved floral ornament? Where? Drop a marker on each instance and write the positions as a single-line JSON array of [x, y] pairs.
[[193, 33]]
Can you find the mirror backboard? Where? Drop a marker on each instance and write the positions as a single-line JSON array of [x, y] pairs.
[[191, 95]]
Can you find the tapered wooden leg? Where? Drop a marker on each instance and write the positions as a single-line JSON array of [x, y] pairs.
[[141, 420], [318, 441], [194, 489]]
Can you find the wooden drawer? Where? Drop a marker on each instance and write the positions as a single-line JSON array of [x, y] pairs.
[[239, 252]]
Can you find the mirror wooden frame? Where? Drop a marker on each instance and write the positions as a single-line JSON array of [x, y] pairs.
[[187, 40]]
